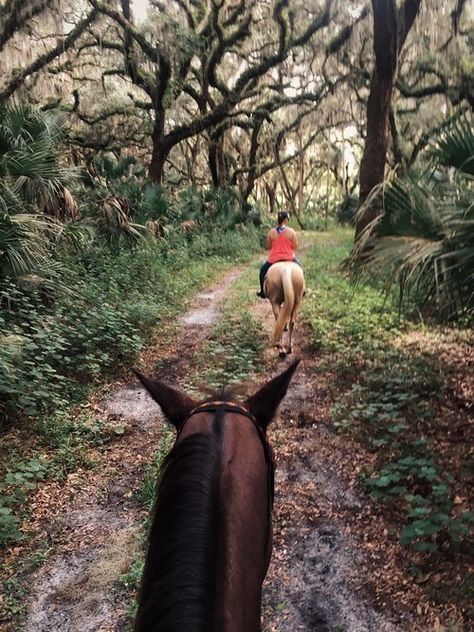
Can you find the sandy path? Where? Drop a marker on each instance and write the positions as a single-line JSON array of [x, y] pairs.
[[96, 522], [313, 584]]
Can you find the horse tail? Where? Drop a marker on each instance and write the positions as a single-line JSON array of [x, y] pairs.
[[288, 303]]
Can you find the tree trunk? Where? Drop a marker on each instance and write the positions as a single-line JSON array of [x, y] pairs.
[[372, 166], [391, 28], [285, 184], [216, 159], [212, 160], [252, 174], [156, 170], [271, 192], [301, 181], [160, 152], [194, 150]]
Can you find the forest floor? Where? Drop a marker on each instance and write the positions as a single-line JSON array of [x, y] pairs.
[[337, 566]]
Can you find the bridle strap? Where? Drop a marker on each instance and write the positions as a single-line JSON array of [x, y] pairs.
[[216, 405]]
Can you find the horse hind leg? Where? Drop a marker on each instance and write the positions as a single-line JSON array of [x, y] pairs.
[[276, 310], [278, 342], [291, 328]]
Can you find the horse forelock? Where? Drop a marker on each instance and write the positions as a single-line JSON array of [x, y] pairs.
[[226, 394]]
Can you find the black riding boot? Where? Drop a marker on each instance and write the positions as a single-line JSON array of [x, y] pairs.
[[263, 271]]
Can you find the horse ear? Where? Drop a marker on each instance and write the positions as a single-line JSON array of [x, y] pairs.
[[264, 403], [175, 405]]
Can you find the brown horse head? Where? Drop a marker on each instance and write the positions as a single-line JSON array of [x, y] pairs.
[[210, 540]]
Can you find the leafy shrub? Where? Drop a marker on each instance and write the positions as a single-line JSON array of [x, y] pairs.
[[111, 169], [391, 386], [424, 238], [51, 342], [13, 490], [80, 336], [346, 211], [391, 405], [419, 483]]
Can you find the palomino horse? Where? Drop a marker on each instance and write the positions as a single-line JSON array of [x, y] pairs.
[[284, 287], [211, 536]]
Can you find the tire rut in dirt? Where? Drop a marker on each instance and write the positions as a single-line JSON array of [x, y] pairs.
[[318, 596]]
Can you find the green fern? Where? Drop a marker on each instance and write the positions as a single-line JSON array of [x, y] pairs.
[[424, 239]]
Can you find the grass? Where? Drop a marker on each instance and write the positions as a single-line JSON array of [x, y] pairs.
[[235, 348], [341, 315]]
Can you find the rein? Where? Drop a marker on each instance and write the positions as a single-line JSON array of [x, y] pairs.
[[232, 407]]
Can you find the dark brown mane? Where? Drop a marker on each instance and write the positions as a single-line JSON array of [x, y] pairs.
[[181, 590]]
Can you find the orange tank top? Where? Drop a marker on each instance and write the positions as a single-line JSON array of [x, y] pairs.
[[282, 248]]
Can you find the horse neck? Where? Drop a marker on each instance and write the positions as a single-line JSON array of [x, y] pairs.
[[206, 559]]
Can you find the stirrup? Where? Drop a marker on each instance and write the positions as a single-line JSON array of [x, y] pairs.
[[261, 294]]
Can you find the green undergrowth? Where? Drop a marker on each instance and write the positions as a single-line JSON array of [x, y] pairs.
[[54, 344], [14, 586], [13, 490], [388, 397], [343, 317], [62, 347], [58, 445]]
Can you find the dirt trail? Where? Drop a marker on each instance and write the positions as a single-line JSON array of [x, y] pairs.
[[314, 583], [96, 523]]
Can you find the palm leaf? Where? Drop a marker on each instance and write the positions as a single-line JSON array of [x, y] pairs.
[[33, 182], [24, 242], [424, 239], [454, 147], [115, 223]]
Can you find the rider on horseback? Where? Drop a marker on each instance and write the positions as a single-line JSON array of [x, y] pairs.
[[282, 244]]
